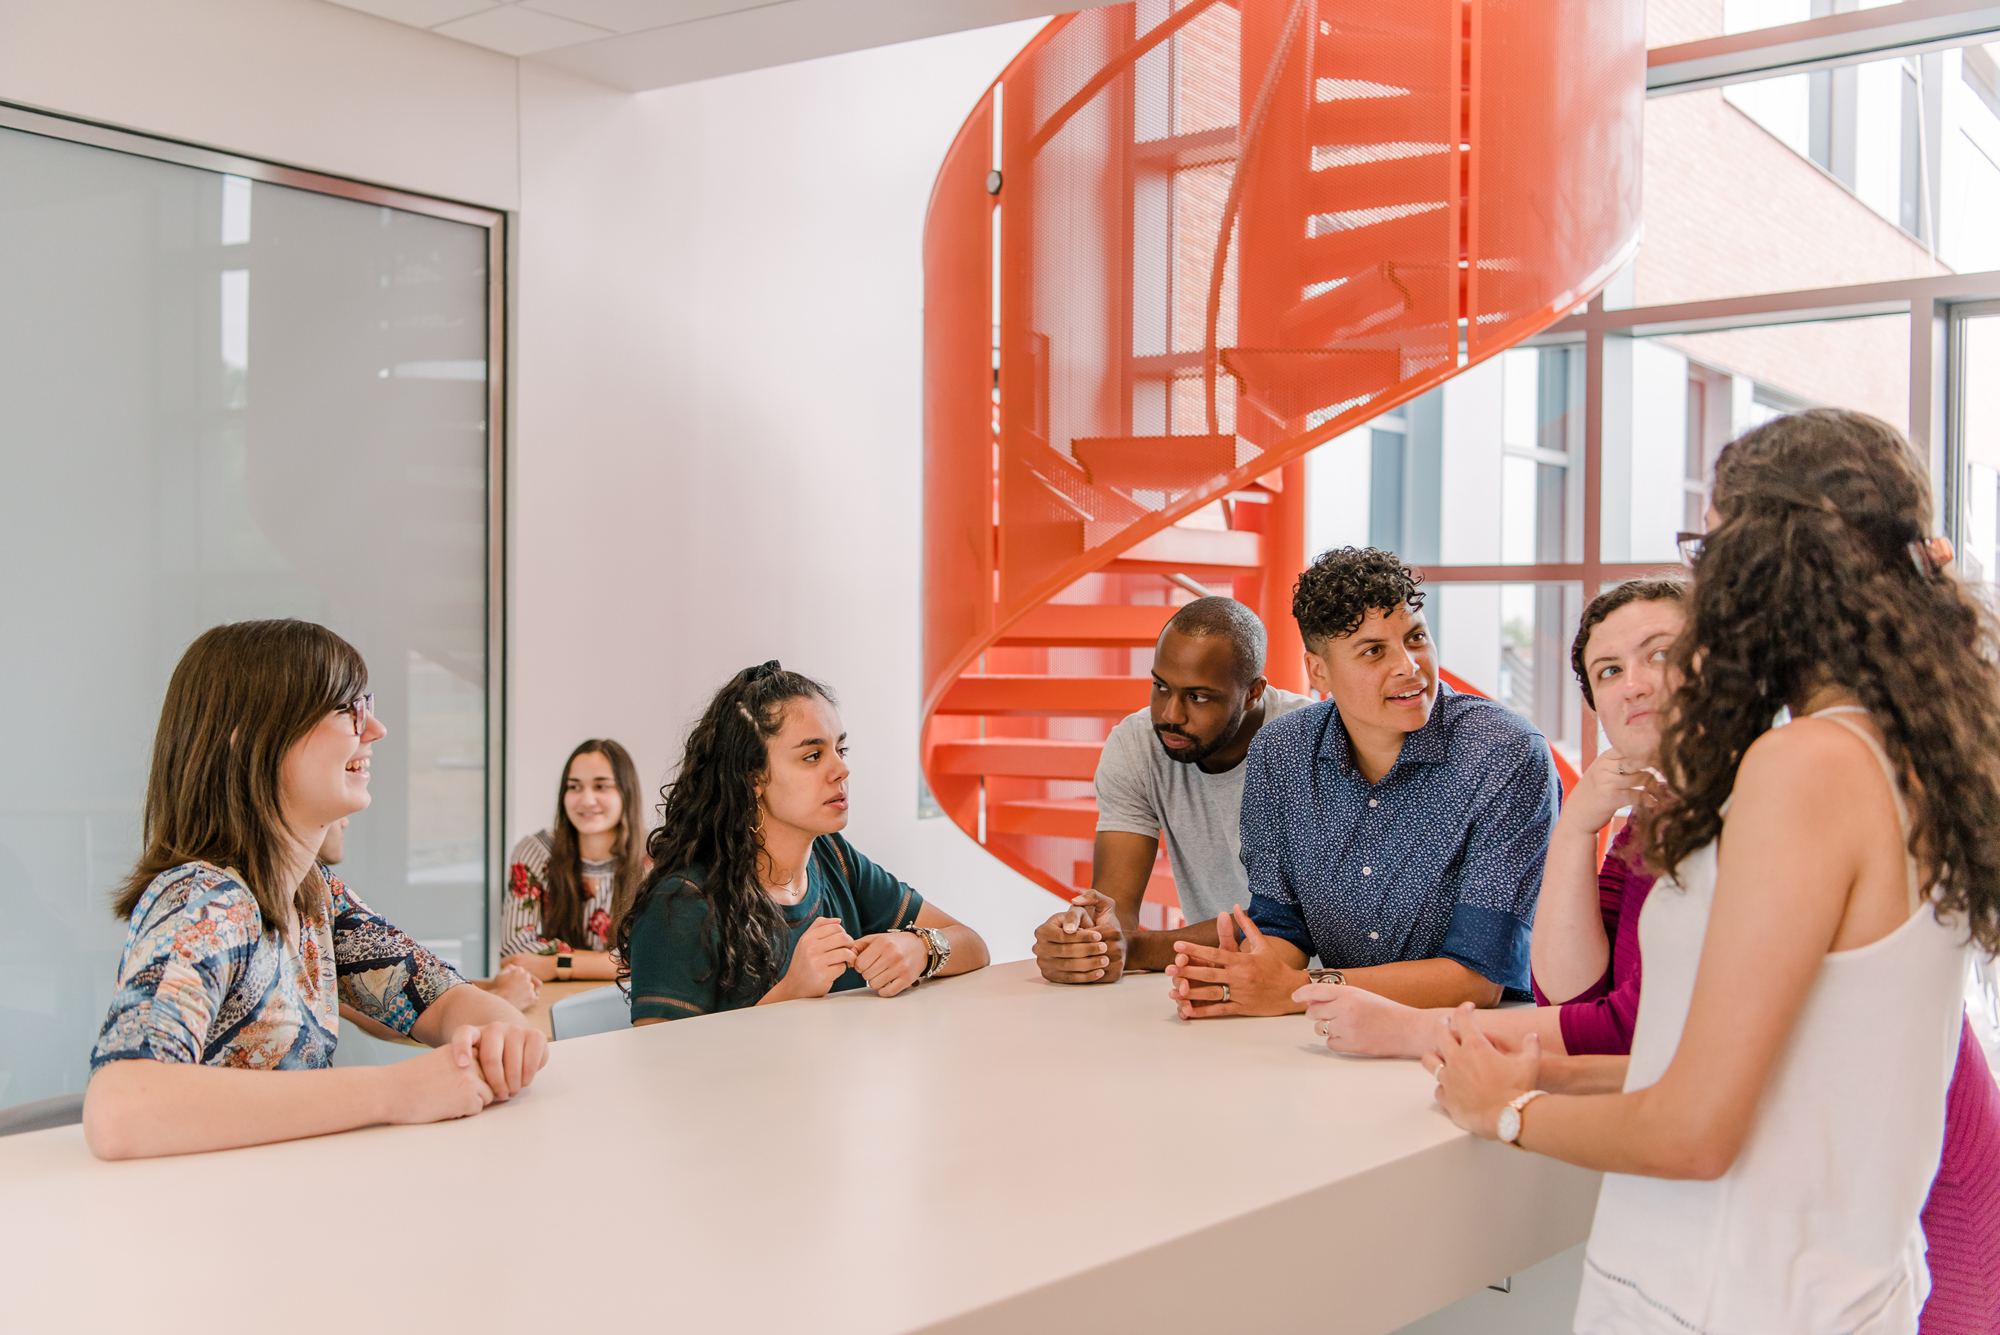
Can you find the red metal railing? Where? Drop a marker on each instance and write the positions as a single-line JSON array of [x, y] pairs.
[[1218, 234]]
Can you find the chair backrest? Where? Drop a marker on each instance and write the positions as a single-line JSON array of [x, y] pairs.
[[62, 1110], [598, 1011]]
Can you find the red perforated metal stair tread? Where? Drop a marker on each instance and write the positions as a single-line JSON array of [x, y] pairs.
[[1295, 218]]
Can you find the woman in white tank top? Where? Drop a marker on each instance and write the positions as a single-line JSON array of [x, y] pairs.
[[1769, 1144]]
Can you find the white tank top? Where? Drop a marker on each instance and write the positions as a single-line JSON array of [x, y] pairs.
[[1814, 1230]]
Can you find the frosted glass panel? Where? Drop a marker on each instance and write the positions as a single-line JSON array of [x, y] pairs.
[[223, 399]]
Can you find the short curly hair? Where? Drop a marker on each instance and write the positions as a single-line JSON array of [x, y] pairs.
[[1336, 593]]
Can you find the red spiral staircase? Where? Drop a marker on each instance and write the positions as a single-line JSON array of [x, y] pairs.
[[1177, 245]]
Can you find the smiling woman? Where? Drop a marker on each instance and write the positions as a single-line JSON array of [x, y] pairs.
[[241, 946], [569, 881], [755, 897]]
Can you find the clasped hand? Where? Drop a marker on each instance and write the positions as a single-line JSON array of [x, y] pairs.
[[1209, 981], [480, 1065], [1082, 944], [1476, 1078], [890, 961]]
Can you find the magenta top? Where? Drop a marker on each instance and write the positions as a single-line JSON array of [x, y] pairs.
[[1962, 1217], [1599, 1019]]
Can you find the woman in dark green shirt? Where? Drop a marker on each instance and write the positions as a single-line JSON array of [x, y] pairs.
[[755, 896]]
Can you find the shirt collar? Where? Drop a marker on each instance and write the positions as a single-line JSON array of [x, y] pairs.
[[1426, 746]]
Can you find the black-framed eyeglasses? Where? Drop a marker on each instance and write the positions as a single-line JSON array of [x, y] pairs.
[[1690, 546], [362, 708]]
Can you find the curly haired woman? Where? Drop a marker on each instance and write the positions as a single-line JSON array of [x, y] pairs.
[[755, 897], [1770, 1142]]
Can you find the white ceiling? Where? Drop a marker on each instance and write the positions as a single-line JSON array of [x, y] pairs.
[[641, 44]]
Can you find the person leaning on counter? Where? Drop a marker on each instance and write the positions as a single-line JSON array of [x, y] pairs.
[[240, 948], [755, 897], [1396, 830], [1173, 768]]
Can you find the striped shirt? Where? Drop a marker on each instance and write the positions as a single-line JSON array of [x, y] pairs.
[[521, 906]]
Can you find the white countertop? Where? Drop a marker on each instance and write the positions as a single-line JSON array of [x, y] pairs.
[[987, 1153]]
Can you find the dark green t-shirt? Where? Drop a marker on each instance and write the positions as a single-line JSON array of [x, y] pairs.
[[673, 942]]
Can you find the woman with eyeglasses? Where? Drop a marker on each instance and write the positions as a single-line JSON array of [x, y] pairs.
[[567, 882], [1769, 1144], [755, 897], [240, 947]]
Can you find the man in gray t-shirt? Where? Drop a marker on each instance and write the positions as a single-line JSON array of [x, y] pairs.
[[1177, 767]]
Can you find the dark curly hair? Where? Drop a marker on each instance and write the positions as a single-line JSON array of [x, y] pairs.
[[1660, 589], [1817, 574], [1336, 593], [709, 823]]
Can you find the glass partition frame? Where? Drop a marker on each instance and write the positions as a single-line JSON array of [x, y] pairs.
[[1931, 303], [32, 121]]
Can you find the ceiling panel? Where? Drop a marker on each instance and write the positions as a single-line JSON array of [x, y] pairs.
[[516, 30], [420, 13]]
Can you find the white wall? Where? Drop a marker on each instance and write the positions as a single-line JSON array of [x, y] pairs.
[[719, 407]]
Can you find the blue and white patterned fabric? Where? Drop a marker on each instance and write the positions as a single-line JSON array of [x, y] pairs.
[[202, 981], [1440, 860]]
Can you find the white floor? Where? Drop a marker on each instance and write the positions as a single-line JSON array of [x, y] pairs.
[[1542, 1302]]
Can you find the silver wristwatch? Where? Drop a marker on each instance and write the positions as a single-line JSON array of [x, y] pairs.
[[1326, 976], [936, 948]]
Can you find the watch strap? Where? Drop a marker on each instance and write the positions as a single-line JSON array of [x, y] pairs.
[[1517, 1105]]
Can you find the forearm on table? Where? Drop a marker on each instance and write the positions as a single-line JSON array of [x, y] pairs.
[[1569, 951], [1426, 984], [968, 950], [1512, 1024], [1583, 1074], [1146, 949], [143, 1108], [462, 1004]]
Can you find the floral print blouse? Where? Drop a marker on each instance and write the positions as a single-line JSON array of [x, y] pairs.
[[521, 906], [201, 980]]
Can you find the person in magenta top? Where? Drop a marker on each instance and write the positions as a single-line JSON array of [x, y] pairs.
[[1585, 947]]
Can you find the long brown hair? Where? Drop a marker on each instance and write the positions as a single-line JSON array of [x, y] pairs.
[[710, 824], [241, 697], [562, 884], [1817, 574]]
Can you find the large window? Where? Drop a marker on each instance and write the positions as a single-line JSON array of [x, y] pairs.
[[228, 391], [1829, 236]]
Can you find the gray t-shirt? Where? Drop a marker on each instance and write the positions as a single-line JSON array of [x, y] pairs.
[[1143, 790]]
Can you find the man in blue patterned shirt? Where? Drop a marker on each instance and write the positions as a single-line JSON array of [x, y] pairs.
[[1396, 831]]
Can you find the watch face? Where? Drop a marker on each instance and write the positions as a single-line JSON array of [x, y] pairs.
[[1510, 1124]]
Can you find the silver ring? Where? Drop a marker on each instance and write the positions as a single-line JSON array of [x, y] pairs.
[[1320, 1028], [1225, 994]]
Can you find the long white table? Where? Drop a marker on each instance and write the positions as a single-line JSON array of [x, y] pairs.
[[986, 1154]]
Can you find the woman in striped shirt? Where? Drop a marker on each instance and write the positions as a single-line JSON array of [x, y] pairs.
[[569, 881]]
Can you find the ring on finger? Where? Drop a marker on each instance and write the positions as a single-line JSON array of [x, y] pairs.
[[1225, 994]]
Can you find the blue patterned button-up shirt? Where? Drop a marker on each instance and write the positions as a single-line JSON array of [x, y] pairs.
[[1440, 860]]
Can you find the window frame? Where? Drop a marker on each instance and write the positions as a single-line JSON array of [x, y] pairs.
[[29, 120]]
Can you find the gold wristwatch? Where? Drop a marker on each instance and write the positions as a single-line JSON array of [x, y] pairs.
[[1326, 976]]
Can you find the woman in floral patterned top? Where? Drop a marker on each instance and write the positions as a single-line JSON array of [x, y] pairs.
[[567, 882], [241, 947]]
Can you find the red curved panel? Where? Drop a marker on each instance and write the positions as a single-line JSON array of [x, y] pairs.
[[1221, 233]]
